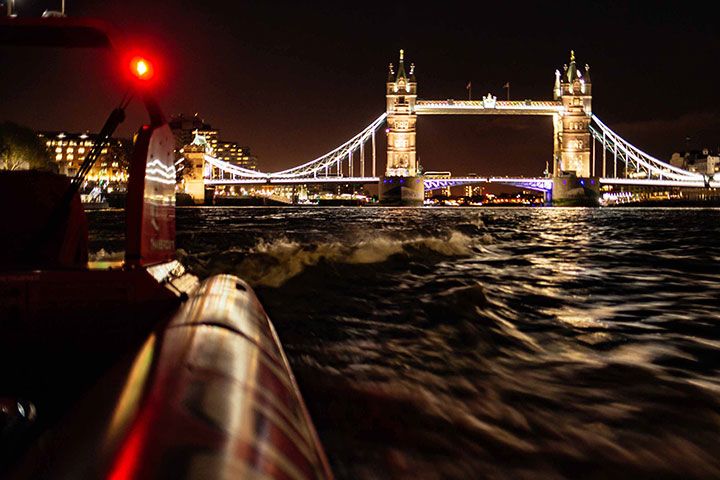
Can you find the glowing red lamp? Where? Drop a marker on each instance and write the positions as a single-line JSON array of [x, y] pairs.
[[141, 68]]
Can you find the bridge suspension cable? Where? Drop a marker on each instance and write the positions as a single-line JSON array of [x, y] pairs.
[[638, 164], [332, 164], [233, 169], [334, 158]]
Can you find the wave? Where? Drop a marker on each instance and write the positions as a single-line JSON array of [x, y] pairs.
[[272, 263], [106, 256]]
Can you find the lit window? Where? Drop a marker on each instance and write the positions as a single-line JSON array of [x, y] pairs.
[[58, 150], [104, 150], [70, 156], [70, 150], [58, 156], [81, 150]]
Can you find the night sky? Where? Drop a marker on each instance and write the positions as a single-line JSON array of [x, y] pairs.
[[292, 80]]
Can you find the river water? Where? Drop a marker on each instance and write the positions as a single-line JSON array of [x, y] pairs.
[[485, 343]]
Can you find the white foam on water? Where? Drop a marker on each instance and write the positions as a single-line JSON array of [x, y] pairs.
[[104, 256], [290, 258]]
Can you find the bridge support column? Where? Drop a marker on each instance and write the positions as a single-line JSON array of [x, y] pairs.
[[406, 191], [573, 191], [402, 183], [194, 178], [572, 126], [196, 189]]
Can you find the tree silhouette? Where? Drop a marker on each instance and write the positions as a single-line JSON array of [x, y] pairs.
[[21, 149]]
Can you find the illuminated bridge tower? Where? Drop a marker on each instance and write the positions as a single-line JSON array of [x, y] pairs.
[[572, 126], [402, 184]]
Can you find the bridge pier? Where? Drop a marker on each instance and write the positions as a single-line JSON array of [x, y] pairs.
[[193, 182], [406, 191], [196, 189], [194, 178], [573, 191], [547, 197]]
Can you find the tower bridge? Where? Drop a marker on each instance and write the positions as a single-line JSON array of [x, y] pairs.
[[587, 154]]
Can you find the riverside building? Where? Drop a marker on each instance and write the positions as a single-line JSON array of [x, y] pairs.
[[186, 128], [236, 154], [69, 150]]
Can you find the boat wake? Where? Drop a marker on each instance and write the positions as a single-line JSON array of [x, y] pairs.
[[271, 263], [106, 256]]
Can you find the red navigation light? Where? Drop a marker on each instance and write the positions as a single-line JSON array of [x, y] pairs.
[[141, 68]]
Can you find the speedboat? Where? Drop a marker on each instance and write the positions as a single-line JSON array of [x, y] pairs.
[[132, 368]]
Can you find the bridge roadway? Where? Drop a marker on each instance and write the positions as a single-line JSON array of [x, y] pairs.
[[644, 182], [539, 184], [542, 184], [290, 180]]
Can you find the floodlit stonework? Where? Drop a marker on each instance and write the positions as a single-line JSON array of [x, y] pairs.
[[572, 125], [401, 95]]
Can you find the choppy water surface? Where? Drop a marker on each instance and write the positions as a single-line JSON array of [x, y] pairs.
[[471, 343]]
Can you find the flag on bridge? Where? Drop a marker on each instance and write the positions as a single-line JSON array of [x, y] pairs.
[[468, 86]]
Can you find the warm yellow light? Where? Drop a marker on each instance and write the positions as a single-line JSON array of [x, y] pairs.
[[141, 68]]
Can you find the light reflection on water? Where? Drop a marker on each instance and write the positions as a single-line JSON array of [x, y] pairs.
[[466, 343]]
